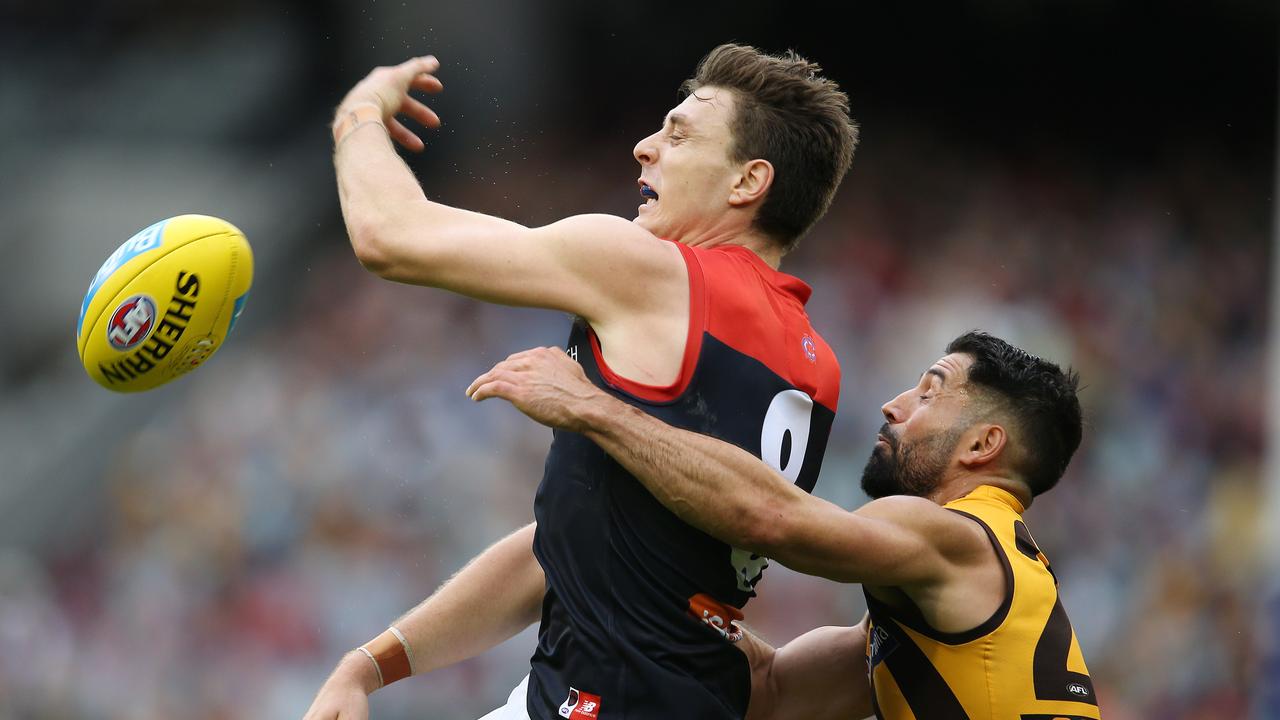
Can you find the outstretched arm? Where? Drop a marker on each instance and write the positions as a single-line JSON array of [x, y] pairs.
[[396, 232], [492, 598], [730, 494]]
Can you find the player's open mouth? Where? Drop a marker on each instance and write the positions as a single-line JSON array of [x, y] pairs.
[[648, 193]]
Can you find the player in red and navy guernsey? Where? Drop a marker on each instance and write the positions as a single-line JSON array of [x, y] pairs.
[[682, 313], [633, 592]]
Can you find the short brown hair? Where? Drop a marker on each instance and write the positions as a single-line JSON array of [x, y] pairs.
[[789, 115]]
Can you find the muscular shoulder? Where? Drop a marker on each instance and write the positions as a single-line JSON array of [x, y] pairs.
[[604, 229], [905, 508], [951, 535], [629, 268]]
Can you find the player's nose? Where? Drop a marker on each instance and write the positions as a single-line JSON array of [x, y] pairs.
[[646, 151], [892, 411]]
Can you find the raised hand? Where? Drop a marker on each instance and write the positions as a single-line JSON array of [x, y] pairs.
[[387, 90]]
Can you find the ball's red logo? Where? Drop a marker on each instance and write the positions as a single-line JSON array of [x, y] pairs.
[[810, 349], [131, 322]]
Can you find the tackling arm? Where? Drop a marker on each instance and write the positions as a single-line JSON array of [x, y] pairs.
[[732, 495]]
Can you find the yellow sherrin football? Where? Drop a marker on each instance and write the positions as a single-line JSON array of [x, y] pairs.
[[164, 302]]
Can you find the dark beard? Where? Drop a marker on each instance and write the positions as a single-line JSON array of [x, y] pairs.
[[908, 469]]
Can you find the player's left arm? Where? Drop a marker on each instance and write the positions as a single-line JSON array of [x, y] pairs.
[[731, 495]]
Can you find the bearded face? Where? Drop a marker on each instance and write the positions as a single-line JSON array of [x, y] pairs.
[[898, 466]]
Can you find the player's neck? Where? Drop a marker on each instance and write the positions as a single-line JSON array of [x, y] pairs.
[[766, 249], [960, 487]]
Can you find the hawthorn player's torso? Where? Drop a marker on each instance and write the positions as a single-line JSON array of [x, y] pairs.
[[1023, 663]]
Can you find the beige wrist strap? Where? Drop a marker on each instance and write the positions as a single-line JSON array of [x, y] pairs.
[[355, 117], [391, 656]]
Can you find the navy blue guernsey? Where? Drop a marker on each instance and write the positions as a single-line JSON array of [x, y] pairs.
[[637, 623]]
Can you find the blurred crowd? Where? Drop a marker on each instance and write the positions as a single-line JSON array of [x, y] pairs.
[[325, 472]]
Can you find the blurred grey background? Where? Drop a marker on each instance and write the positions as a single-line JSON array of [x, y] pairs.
[[1092, 180]]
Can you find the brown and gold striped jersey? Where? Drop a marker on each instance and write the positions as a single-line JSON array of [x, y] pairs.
[[1023, 663]]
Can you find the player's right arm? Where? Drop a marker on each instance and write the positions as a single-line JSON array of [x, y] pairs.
[[492, 598], [573, 265], [733, 496]]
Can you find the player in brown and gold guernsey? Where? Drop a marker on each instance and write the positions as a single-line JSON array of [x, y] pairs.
[[964, 616]]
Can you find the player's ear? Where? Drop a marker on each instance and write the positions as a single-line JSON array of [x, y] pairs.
[[753, 180], [986, 443]]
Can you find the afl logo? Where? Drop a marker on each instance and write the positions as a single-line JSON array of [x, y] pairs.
[[131, 322], [1078, 689], [810, 350]]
